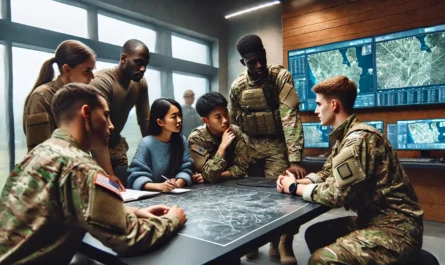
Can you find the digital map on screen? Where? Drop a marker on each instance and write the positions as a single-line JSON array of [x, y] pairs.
[[423, 132], [411, 61], [354, 62]]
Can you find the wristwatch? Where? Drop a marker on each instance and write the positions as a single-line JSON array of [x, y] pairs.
[[293, 188]]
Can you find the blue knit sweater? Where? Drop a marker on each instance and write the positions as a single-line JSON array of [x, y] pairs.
[[151, 161]]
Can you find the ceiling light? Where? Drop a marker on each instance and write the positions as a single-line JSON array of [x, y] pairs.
[[252, 9]]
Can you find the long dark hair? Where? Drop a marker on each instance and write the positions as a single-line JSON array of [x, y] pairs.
[[70, 52], [159, 109]]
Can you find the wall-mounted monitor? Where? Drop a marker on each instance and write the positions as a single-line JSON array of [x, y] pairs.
[[421, 134], [350, 58], [410, 67], [398, 69], [376, 124], [316, 135], [391, 134]]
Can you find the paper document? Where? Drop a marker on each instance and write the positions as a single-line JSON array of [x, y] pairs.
[[179, 190], [133, 195]]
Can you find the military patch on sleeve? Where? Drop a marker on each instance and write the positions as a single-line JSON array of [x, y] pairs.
[[198, 149], [346, 167], [344, 171], [107, 183]]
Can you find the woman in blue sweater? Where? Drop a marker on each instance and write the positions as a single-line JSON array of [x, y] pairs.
[[164, 152]]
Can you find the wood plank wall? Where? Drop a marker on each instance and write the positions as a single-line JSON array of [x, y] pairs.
[[308, 23]]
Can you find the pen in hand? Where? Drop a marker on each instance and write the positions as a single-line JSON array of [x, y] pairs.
[[164, 177]]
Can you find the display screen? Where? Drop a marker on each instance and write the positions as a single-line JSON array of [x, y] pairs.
[[421, 134], [398, 69], [376, 124], [391, 134], [316, 135]]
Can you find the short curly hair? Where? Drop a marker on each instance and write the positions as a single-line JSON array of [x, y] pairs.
[[249, 43]]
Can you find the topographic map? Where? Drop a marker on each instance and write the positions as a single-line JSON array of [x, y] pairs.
[[222, 215], [411, 61], [356, 63], [432, 132]]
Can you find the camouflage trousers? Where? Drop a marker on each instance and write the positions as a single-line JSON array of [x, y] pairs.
[[271, 166], [118, 153], [341, 241], [119, 160]]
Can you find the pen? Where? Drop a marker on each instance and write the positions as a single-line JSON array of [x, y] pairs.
[[168, 179]]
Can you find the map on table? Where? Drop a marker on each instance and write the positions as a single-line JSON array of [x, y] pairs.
[[223, 215]]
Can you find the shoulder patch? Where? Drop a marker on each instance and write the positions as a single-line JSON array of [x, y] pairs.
[[198, 149], [106, 183]]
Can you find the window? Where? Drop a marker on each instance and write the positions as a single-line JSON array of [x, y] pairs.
[[26, 66], [102, 65], [1, 16], [117, 32], [153, 78], [4, 161], [190, 50], [182, 82], [131, 130], [51, 15]]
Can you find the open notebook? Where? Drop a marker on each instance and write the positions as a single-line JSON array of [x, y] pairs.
[[133, 195]]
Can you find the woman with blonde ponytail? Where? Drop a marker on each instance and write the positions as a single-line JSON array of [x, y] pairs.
[[76, 62]]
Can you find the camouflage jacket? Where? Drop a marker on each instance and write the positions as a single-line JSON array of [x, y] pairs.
[[54, 196], [363, 173], [291, 141], [203, 148]]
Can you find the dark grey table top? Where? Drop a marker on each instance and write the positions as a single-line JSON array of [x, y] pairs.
[[225, 221]]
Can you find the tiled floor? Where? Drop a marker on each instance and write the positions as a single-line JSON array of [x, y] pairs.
[[433, 241]]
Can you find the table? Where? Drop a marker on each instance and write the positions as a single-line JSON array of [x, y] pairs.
[[225, 221]]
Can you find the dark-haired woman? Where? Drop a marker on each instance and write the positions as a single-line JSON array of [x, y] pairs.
[[163, 153], [76, 62]]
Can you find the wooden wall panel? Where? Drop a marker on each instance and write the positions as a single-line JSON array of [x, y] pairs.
[[308, 23]]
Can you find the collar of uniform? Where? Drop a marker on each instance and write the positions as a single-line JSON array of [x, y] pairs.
[[63, 135], [58, 83], [252, 82], [210, 135], [340, 132]]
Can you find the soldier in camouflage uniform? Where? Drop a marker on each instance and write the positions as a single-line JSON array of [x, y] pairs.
[[58, 192], [265, 105], [218, 149], [363, 174]]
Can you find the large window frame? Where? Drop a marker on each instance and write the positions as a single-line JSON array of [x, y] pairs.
[[25, 36]]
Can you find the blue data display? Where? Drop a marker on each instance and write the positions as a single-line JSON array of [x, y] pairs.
[[421, 134], [391, 134], [398, 69], [376, 124], [316, 135], [350, 58]]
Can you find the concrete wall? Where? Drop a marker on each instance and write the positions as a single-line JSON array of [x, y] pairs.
[[267, 24]]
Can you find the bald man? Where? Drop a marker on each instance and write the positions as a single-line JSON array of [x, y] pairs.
[[190, 117]]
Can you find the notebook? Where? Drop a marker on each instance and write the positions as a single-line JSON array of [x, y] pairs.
[[178, 190], [133, 195]]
